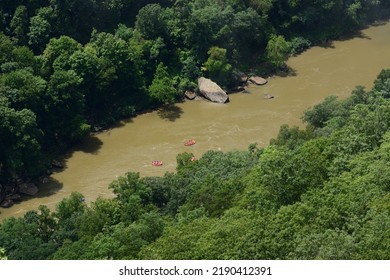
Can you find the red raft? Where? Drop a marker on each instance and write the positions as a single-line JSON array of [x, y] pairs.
[[157, 163], [189, 142]]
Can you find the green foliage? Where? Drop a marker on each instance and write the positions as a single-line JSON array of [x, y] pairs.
[[150, 21], [217, 66], [382, 83], [278, 50], [65, 105], [292, 137], [298, 45], [40, 29], [162, 88], [19, 24], [321, 113], [58, 52], [20, 140], [3, 255]]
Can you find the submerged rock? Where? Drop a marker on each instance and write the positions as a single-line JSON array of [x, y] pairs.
[[212, 91], [268, 96]]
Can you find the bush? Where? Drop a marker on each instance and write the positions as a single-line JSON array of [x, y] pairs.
[[298, 45]]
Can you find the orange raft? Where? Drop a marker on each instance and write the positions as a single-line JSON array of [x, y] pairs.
[[189, 142], [157, 163]]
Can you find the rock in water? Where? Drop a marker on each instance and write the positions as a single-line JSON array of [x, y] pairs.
[[258, 80], [190, 94], [28, 188], [212, 91], [268, 96], [6, 203]]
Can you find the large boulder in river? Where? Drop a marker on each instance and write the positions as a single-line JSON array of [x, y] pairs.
[[28, 188], [258, 80], [212, 91]]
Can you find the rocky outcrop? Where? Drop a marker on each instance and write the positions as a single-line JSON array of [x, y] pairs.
[[7, 203], [57, 164], [258, 80], [241, 77], [212, 91], [28, 188], [190, 94]]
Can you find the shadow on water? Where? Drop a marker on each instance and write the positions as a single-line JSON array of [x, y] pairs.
[[45, 190], [170, 112], [287, 72], [353, 35], [49, 188], [90, 145], [329, 44]]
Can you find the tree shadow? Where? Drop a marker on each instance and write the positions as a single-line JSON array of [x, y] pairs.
[[45, 190], [89, 145], [48, 189], [354, 34], [326, 44], [170, 112], [380, 22], [287, 71]]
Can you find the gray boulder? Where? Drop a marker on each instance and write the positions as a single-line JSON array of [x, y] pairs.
[[240, 76], [6, 203], [57, 164], [258, 80], [212, 91], [28, 188]]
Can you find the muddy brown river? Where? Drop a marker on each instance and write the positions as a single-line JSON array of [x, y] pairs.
[[132, 145]]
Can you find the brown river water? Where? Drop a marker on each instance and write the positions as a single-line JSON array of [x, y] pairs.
[[334, 69]]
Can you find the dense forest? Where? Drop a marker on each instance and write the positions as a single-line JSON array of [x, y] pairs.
[[318, 193]]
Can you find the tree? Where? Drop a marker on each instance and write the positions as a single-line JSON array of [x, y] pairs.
[[19, 24], [20, 139], [24, 90], [323, 112], [58, 51], [162, 88], [6, 47], [382, 83], [65, 123], [217, 66], [150, 21], [40, 29], [278, 50]]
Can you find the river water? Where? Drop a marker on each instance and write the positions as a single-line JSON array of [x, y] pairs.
[[334, 69]]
